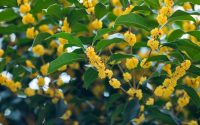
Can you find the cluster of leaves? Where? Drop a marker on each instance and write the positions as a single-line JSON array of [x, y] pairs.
[[92, 100]]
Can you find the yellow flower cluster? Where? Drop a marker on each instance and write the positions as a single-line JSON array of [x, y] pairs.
[[192, 122], [31, 33], [139, 120], [1, 52], [13, 86], [44, 69], [167, 88], [65, 27], [29, 91], [144, 64], [135, 93], [130, 38], [38, 50], [192, 82], [90, 4], [115, 83], [45, 28], [142, 79], [55, 94], [97, 24], [41, 82], [66, 115], [127, 76], [183, 100], [153, 44], [150, 101], [187, 26], [187, 6], [29, 64], [28, 19], [118, 9], [167, 68], [156, 33], [131, 63], [95, 61]]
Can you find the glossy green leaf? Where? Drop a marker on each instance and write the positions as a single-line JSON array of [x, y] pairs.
[[191, 1], [142, 10], [194, 70], [38, 5], [101, 32], [163, 115], [64, 59], [12, 29], [180, 16], [153, 3], [118, 57], [55, 11], [124, 3], [71, 39], [2, 64], [40, 38], [175, 35], [190, 48], [8, 3], [195, 33], [135, 20], [192, 93], [106, 42], [8, 15], [89, 77], [100, 10]]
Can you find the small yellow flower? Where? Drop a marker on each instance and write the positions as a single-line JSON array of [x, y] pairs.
[[109, 73], [144, 64], [169, 3], [117, 11], [29, 92], [155, 33], [168, 105], [44, 69], [59, 82], [97, 24], [153, 44], [1, 52], [142, 79], [187, 26], [187, 6], [31, 33], [127, 76], [29, 64], [130, 38], [139, 120], [24, 8], [90, 10], [28, 19], [115, 83], [138, 93], [131, 63], [38, 50], [65, 27], [192, 122], [128, 9], [41, 81], [66, 115], [131, 92], [162, 19], [116, 2], [166, 11], [150, 101]]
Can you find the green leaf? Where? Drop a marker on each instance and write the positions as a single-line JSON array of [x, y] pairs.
[[131, 110], [101, 32], [8, 15], [71, 39], [118, 57], [106, 42], [65, 58], [194, 70], [2, 64], [153, 3], [179, 33], [76, 15], [40, 37], [89, 77], [190, 48], [192, 93], [163, 115], [175, 35], [124, 3], [9, 3], [142, 10], [12, 29], [100, 10], [38, 5], [180, 16], [195, 33], [191, 1], [132, 19], [55, 11], [116, 113], [159, 58]]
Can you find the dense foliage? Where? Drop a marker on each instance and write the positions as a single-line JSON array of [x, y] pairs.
[[99, 62]]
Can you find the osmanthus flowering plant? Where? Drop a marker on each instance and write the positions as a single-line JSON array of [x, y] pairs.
[[100, 62]]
